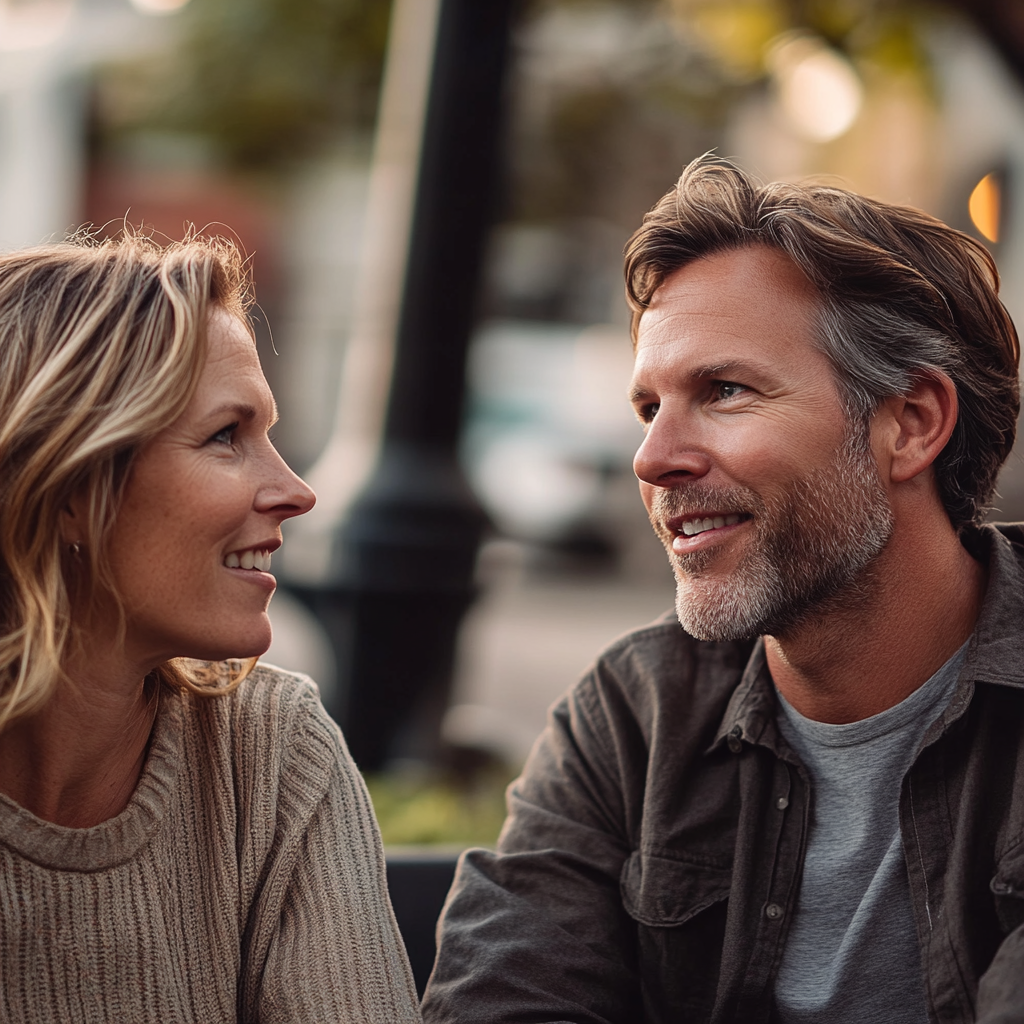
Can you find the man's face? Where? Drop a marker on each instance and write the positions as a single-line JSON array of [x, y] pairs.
[[766, 496]]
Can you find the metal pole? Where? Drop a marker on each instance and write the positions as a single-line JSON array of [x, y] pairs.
[[402, 562]]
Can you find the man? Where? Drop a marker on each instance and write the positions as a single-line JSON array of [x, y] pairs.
[[806, 804]]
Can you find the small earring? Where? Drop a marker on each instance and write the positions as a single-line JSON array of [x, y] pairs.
[[76, 549]]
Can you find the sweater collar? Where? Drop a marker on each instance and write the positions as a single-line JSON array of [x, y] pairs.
[[115, 841]]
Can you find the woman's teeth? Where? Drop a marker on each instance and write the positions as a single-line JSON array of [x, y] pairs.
[[251, 559], [694, 526]]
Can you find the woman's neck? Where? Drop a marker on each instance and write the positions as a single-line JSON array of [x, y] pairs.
[[77, 761]]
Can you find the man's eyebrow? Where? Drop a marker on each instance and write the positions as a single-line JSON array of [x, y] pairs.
[[710, 371], [717, 370], [637, 393]]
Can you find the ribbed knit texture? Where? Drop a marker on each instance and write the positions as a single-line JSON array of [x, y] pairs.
[[243, 882]]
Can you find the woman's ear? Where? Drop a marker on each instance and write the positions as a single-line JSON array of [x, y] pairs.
[[72, 521], [913, 428]]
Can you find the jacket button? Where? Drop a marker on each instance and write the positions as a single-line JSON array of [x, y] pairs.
[[734, 739], [782, 803], [773, 911]]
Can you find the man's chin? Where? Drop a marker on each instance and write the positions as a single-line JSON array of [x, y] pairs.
[[717, 632], [715, 617]]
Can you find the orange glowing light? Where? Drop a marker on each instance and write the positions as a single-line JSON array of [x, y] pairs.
[[984, 206]]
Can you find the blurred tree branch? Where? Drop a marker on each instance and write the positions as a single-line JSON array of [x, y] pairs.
[[264, 81]]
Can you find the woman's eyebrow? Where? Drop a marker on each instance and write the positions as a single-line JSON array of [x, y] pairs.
[[244, 410]]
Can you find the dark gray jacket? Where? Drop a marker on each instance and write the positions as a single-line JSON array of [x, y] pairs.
[[652, 855]]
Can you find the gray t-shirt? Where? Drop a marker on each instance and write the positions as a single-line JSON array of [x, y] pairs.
[[852, 955]]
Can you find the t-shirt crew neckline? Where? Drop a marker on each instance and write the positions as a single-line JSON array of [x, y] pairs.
[[919, 704], [116, 841]]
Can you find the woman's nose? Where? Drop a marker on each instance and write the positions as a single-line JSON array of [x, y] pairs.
[[290, 495]]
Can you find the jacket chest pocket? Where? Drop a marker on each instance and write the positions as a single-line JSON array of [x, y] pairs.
[[680, 911], [662, 893]]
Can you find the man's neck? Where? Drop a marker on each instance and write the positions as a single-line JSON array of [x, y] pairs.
[[917, 606]]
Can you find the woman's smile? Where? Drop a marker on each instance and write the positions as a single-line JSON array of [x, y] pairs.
[[251, 558]]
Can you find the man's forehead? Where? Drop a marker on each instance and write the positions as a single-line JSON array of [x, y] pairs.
[[737, 293], [729, 277]]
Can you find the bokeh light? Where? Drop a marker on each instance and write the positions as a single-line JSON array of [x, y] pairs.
[[159, 6], [985, 206], [819, 91]]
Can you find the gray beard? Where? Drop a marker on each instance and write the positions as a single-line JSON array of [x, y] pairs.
[[811, 552]]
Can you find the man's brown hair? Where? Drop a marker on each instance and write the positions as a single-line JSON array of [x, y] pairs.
[[901, 294]]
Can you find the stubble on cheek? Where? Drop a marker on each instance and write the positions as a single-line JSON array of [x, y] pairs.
[[808, 546]]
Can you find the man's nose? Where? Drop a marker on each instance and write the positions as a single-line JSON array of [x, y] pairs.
[[670, 452]]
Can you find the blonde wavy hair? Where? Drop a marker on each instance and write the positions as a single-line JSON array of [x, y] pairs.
[[101, 347]]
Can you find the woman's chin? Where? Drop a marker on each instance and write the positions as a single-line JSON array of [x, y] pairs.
[[252, 645]]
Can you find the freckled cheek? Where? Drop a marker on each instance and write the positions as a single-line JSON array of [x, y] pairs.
[[216, 510]]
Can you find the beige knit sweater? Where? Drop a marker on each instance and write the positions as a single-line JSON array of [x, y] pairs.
[[244, 881]]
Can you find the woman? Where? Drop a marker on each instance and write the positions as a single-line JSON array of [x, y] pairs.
[[179, 841]]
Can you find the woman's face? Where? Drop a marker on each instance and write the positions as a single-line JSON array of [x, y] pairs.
[[202, 511]]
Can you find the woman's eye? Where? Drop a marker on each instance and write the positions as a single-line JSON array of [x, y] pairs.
[[226, 435]]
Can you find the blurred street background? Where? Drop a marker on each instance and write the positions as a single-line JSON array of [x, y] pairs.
[[337, 142]]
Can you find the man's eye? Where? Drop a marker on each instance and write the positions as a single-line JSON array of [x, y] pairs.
[[646, 413], [226, 435], [726, 389]]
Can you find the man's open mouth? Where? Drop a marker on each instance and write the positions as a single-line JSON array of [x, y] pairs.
[[692, 527]]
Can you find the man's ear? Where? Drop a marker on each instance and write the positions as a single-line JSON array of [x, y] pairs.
[[913, 428]]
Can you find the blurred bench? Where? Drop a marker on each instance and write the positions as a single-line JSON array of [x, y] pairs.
[[419, 878]]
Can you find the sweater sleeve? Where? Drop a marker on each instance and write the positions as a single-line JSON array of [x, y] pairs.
[[321, 943]]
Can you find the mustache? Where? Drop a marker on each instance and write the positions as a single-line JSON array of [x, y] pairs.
[[690, 500]]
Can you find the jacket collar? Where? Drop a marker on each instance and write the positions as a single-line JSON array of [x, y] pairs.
[[995, 654]]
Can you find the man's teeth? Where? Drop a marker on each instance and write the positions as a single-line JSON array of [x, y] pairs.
[[251, 559], [694, 526]]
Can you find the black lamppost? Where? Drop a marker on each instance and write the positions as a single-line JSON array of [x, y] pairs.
[[401, 574]]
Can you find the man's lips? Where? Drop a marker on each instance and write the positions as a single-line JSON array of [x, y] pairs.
[[690, 531], [693, 524]]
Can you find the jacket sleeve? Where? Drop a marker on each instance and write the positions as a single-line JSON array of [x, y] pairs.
[[537, 932], [1001, 989], [322, 943]]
